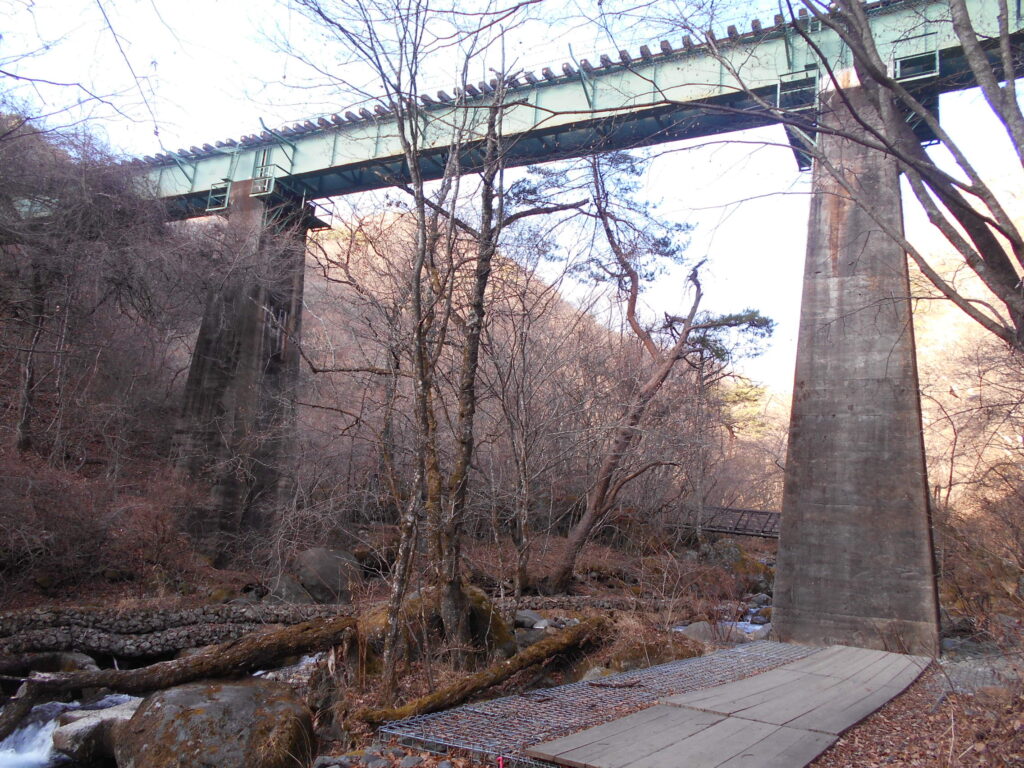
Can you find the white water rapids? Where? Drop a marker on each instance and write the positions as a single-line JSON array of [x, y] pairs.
[[31, 746]]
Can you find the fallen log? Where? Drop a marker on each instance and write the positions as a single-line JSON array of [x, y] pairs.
[[587, 632], [230, 659]]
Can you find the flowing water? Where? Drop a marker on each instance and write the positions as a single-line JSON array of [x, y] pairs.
[[31, 746]]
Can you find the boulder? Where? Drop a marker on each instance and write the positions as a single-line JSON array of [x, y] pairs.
[[328, 575], [247, 724], [761, 633], [222, 594], [725, 552], [486, 625], [766, 581], [71, 661], [86, 735], [724, 632], [337, 761], [487, 629], [54, 661], [951, 625], [702, 631], [527, 619], [287, 589]]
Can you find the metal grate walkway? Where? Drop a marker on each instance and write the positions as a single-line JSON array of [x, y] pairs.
[[506, 727]]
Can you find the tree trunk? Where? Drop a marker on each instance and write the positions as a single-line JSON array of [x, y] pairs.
[[453, 602], [602, 495], [399, 586], [585, 633], [26, 404]]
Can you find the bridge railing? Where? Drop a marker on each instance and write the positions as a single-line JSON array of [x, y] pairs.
[[733, 520]]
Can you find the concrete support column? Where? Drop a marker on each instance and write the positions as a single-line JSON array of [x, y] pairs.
[[855, 562], [237, 419]]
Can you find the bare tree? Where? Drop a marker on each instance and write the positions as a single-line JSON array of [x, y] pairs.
[[84, 253], [633, 242], [452, 257], [529, 348]]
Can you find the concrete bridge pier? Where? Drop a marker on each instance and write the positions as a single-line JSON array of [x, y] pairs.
[[237, 419], [855, 563]]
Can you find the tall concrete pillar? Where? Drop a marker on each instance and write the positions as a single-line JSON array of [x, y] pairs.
[[238, 414], [855, 563]]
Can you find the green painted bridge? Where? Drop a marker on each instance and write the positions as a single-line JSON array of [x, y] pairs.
[[678, 90]]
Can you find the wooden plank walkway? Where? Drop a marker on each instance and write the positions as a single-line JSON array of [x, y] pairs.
[[783, 718]]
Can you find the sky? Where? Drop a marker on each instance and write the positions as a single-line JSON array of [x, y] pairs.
[[174, 74]]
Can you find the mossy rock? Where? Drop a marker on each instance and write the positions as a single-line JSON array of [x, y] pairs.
[[486, 625], [754, 575], [221, 594], [641, 655], [245, 724], [650, 653], [421, 614]]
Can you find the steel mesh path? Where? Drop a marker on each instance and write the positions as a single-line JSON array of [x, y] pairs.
[[507, 726]]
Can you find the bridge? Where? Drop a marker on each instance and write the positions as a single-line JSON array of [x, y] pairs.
[[679, 90], [855, 563], [734, 521]]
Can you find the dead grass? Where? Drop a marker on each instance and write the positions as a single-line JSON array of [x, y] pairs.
[[492, 565], [69, 539], [925, 728]]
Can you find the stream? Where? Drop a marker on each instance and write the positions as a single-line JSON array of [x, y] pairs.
[[31, 746]]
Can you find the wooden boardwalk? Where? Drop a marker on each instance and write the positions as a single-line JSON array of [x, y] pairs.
[[783, 718]]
